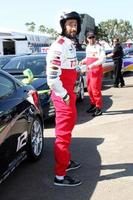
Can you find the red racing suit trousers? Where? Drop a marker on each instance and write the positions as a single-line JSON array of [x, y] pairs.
[[66, 116], [94, 83]]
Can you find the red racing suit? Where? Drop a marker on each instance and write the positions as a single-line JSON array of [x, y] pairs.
[[61, 77], [95, 57]]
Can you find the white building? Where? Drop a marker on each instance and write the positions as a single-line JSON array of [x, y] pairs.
[[16, 42]]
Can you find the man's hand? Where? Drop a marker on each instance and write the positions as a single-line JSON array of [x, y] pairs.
[[66, 99], [67, 102], [80, 63], [109, 55], [91, 66]]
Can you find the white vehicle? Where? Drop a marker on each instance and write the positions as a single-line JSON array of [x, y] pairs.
[[15, 43]]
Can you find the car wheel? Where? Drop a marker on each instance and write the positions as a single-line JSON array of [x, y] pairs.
[[81, 94], [36, 142]]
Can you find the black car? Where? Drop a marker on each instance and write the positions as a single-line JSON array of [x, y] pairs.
[[37, 65], [5, 59], [21, 124]]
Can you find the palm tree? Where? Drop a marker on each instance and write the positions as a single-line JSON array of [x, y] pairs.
[[42, 29], [30, 26]]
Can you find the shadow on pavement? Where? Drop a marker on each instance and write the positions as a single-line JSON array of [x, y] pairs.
[[117, 112], [35, 181], [127, 86], [123, 170], [83, 116], [107, 83], [83, 106]]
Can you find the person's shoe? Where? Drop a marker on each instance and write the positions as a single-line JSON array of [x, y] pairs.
[[91, 109], [73, 165], [122, 85], [116, 86], [98, 112], [67, 181]]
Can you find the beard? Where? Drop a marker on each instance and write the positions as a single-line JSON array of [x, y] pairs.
[[70, 35]]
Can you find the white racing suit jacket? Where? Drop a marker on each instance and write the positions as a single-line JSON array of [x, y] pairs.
[[97, 53], [61, 55]]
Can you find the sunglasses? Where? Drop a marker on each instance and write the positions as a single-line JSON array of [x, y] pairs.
[[91, 37]]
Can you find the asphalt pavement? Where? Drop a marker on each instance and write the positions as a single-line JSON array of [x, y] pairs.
[[103, 145]]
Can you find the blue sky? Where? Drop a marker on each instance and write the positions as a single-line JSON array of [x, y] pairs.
[[15, 13]]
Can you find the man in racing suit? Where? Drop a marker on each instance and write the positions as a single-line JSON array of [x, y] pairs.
[[61, 77], [95, 56]]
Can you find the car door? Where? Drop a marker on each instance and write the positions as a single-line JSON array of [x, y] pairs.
[[13, 122]]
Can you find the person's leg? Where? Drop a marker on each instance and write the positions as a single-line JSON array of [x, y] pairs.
[[97, 76], [96, 86], [89, 87], [120, 74], [65, 121], [117, 71], [62, 153], [122, 80]]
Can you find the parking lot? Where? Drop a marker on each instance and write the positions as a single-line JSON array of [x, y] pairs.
[[103, 145]]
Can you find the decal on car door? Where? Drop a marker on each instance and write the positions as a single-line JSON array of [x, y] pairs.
[[22, 139]]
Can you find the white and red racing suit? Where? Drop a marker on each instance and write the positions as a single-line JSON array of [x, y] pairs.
[[95, 56], [61, 77]]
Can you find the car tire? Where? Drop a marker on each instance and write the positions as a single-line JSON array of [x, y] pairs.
[[36, 141], [81, 94]]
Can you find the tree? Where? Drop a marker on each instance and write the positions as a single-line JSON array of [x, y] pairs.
[[30, 26], [52, 32], [109, 29], [42, 29]]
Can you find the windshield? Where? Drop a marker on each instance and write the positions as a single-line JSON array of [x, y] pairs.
[[37, 64], [3, 61]]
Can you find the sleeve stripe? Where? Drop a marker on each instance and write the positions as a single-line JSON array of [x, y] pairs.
[[52, 77], [56, 62]]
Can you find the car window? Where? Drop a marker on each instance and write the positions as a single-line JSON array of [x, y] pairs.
[[13, 64], [6, 86], [3, 61], [36, 64]]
